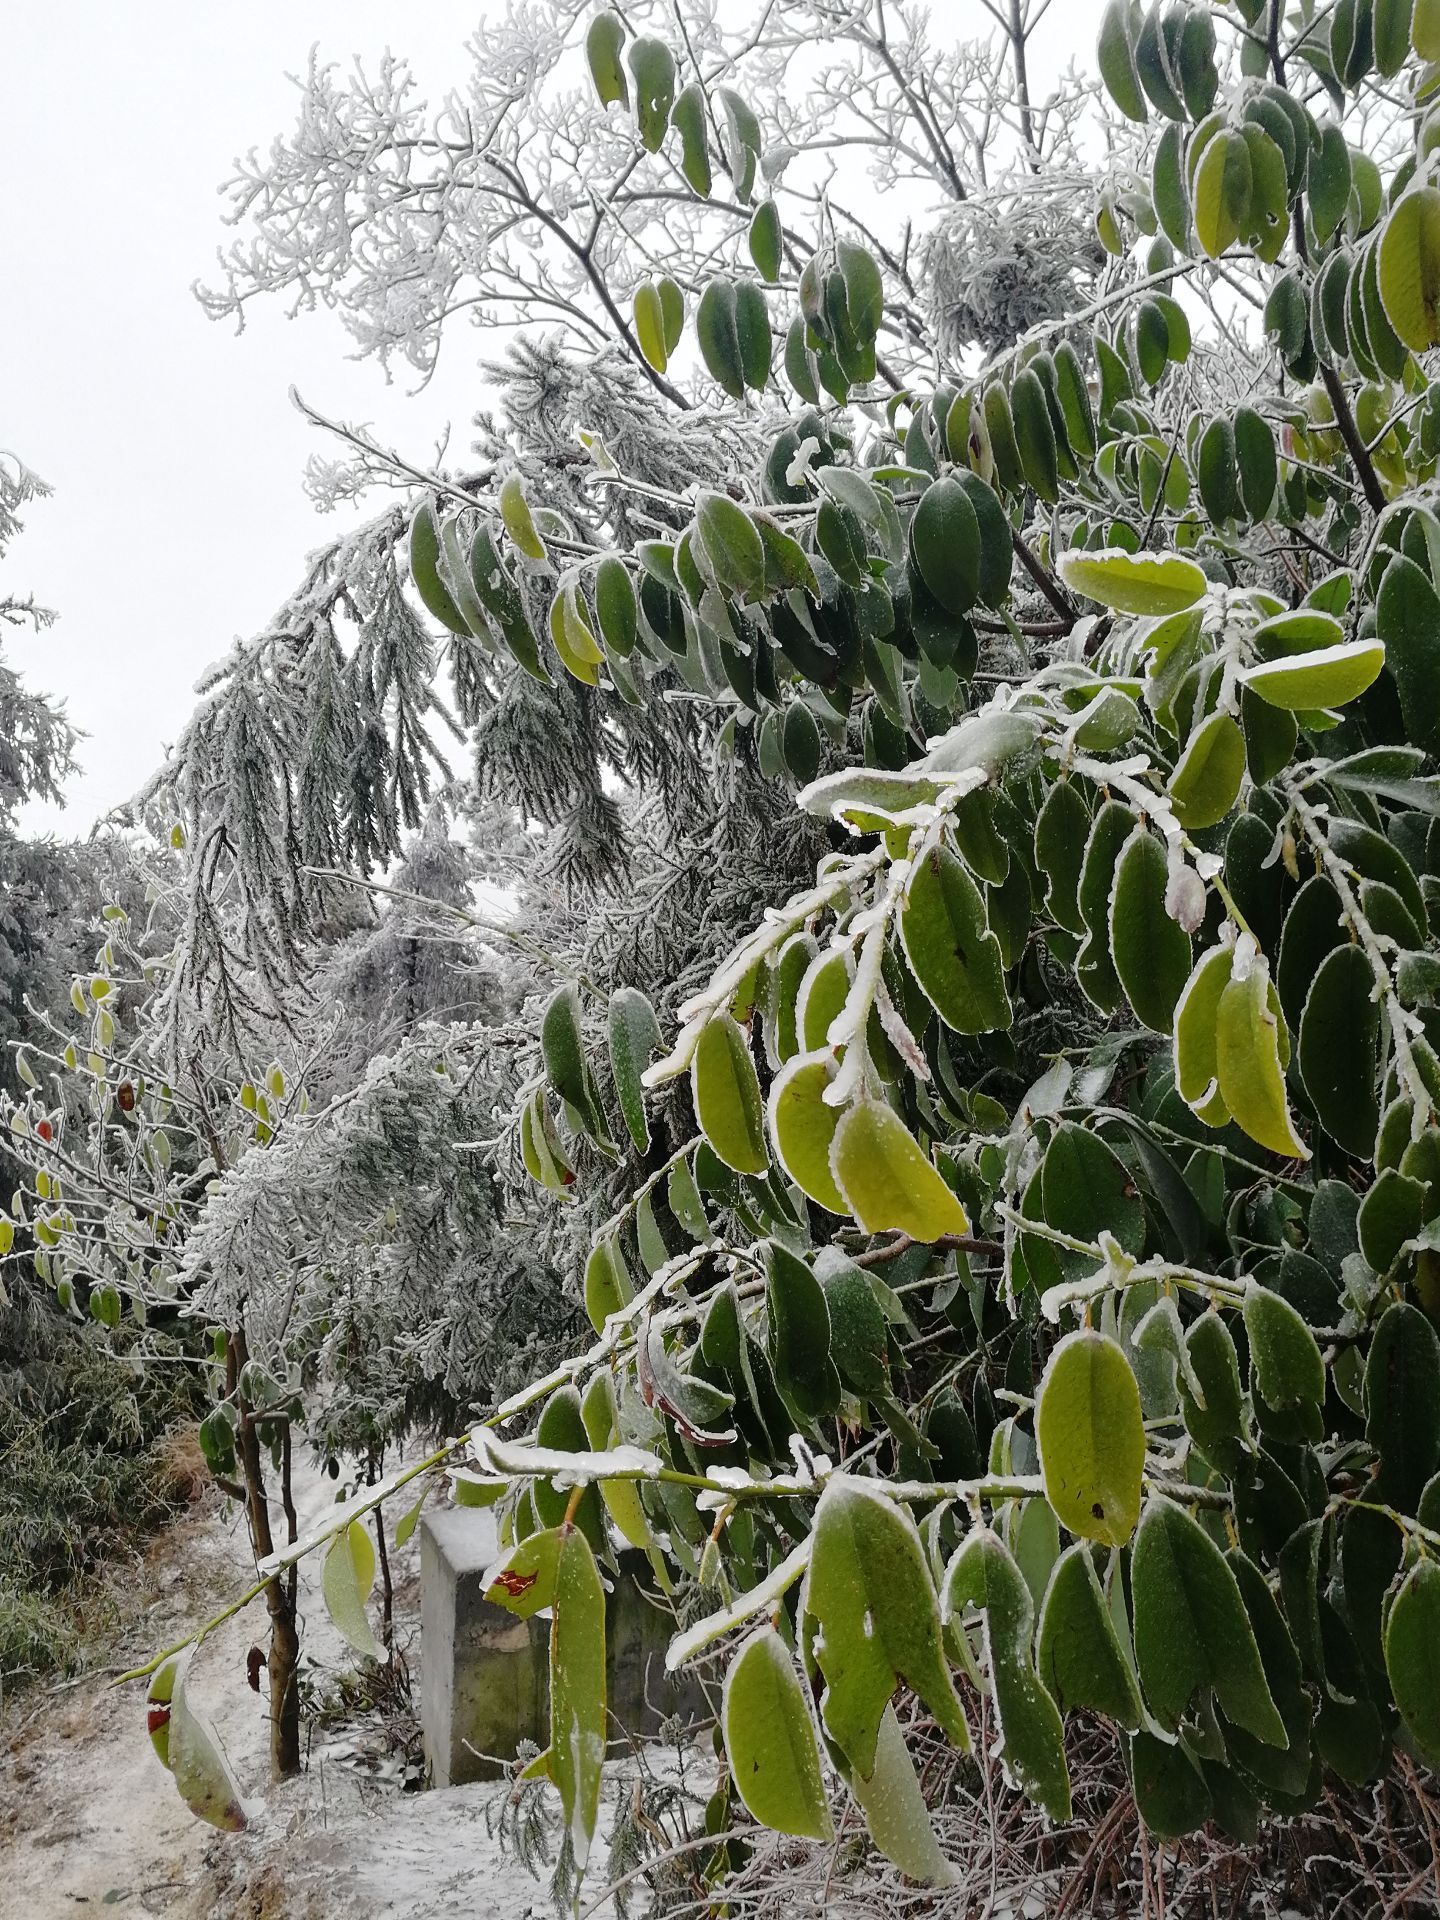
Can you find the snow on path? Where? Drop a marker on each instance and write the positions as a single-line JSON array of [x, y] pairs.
[[91, 1821]]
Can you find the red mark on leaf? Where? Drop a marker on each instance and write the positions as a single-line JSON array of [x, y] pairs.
[[515, 1583], [157, 1719]]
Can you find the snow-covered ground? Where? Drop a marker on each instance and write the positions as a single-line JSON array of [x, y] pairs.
[[90, 1819]]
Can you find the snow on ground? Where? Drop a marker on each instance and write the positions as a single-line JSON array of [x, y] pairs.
[[90, 1820]]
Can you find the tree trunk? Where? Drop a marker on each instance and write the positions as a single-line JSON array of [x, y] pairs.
[[284, 1655], [387, 1583]]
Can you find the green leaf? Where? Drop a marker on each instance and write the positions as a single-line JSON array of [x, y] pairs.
[[685, 1202], [424, 571], [205, 1782], [653, 66], [1062, 828], [1113, 825], [1199, 79], [732, 544], [1216, 1422], [752, 333], [539, 1147], [1115, 55], [1145, 583], [563, 1051], [1171, 1796], [1152, 341], [603, 41], [766, 240], [577, 1690], [1339, 1048], [1073, 392], [803, 1127], [887, 1181], [1086, 1188], [742, 141], [1091, 1437], [895, 1810], [799, 1335], [945, 540], [1206, 782], [1285, 1362], [409, 1520], [346, 1577], [984, 1574], [858, 1325], [1287, 318], [1153, 50], [1328, 181], [1412, 1656], [1217, 473], [649, 317], [1080, 1659], [801, 742], [571, 636], [770, 1740], [869, 1591], [1391, 1213], [519, 521], [523, 1580], [717, 335], [615, 606], [607, 1283], [1402, 1403], [1035, 435], [1167, 186], [1266, 221], [1192, 1633], [634, 1034], [822, 996], [502, 600], [1000, 431], [949, 945], [1408, 268], [1249, 1067], [688, 117], [1407, 619], [1223, 187], [1304, 682], [1151, 952], [725, 1088]]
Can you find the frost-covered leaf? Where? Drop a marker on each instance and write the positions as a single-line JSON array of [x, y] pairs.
[[868, 1589], [346, 1579], [887, 1181], [1091, 1437], [770, 1740], [1192, 1632], [725, 1088], [577, 1690]]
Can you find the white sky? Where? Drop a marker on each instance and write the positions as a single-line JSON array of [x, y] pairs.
[[178, 522]]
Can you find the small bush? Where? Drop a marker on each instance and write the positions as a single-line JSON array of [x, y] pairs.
[[93, 1454]]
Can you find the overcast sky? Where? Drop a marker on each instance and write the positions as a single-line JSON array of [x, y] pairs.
[[178, 522]]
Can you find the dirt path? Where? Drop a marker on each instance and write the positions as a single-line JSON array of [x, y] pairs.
[[90, 1820]]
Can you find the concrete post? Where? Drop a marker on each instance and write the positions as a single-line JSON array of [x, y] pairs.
[[484, 1676]]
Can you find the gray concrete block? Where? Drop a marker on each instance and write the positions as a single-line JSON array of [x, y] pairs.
[[483, 1679], [484, 1676]]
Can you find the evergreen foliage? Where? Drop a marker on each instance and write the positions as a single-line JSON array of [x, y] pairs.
[[1009, 1241]]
